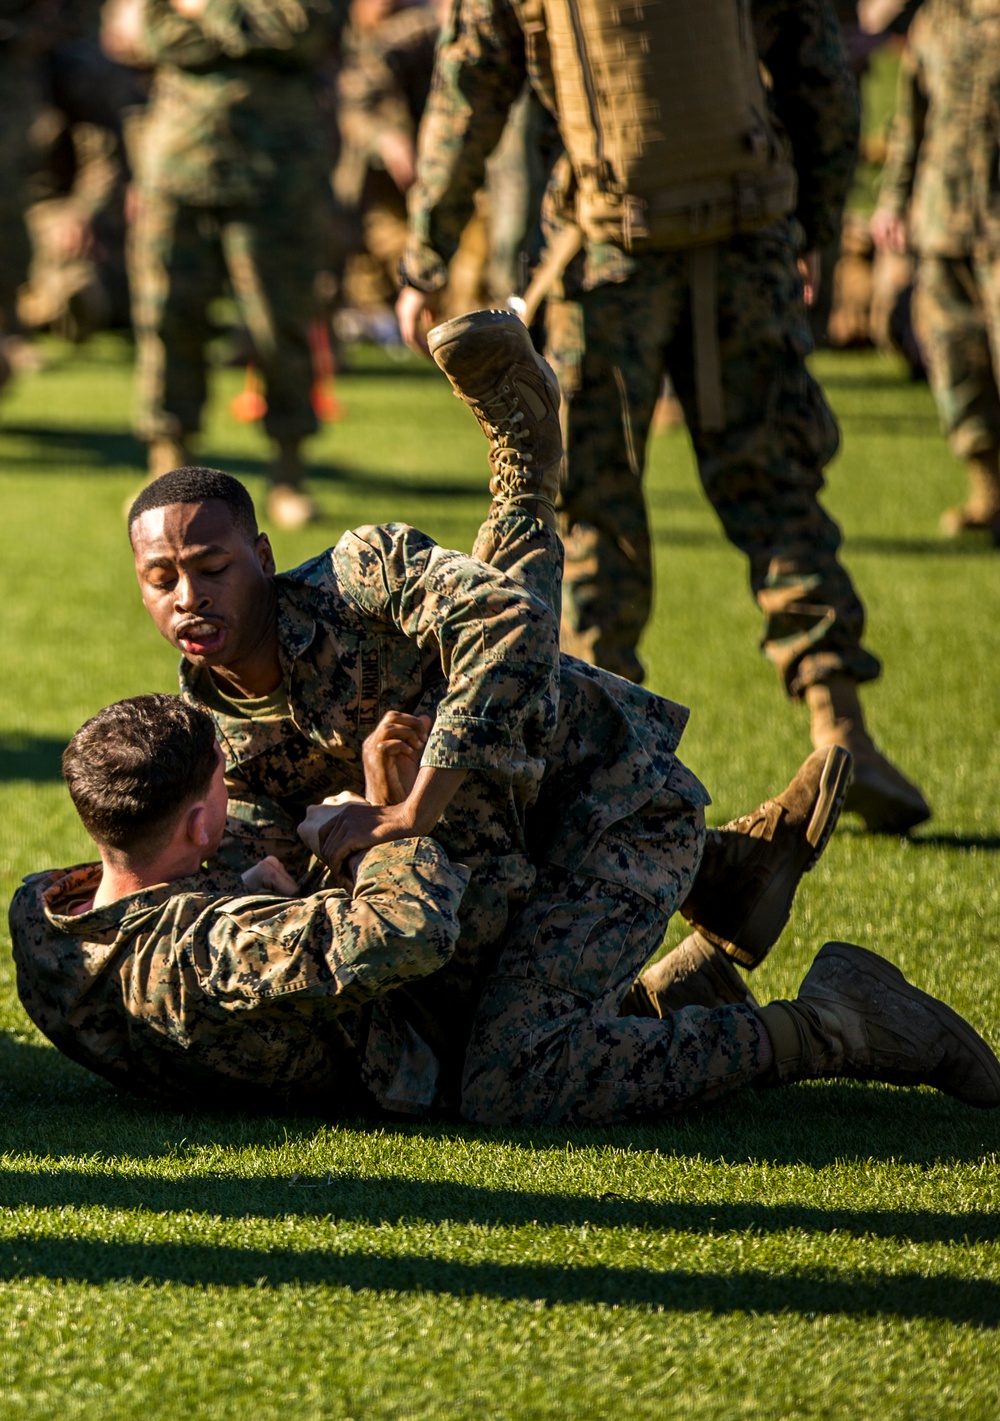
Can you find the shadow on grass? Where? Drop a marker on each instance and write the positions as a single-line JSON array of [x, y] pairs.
[[862, 423], [832, 379], [102, 448], [30, 757], [90, 1119], [853, 543], [382, 1199], [871, 1294], [920, 840], [371, 481], [908, 547]]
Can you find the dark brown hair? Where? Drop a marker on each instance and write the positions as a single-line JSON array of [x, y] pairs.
[[134, 765]]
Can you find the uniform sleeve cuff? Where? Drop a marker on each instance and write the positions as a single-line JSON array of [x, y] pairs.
[[467, 743]]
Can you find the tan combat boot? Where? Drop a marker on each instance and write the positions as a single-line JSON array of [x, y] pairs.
[[746, 882], [288, 505], [981, 510], [885, 799], [495, 370], [165, 453], [694, 974], [856, 1015]]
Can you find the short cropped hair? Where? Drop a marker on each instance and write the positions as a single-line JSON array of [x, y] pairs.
[[193, 484], [133, 766]]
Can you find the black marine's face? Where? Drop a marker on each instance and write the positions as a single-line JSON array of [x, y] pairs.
[[206, 585]]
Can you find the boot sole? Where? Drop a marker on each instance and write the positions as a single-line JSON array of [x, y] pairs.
[[772, 910], [440, 336], [834, 783], [890, 976], [447, 331]]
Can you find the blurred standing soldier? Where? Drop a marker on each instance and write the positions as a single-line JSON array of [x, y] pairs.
[[382, 88], [941, 183], [232, 182], [25, 32], [78, 280], [690, 270]]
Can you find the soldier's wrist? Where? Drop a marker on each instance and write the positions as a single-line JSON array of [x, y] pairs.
[[428, 280]]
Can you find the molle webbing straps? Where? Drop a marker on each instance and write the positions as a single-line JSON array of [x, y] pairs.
[[663, 112]]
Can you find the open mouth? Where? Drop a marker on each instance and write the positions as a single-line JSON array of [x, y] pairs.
[[201, 638]]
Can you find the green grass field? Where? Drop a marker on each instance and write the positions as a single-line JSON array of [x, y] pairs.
[[824, 1252]]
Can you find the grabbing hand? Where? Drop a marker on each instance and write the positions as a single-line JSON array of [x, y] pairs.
[[320, 816], [391, 756], [270, 876], [355, 827]]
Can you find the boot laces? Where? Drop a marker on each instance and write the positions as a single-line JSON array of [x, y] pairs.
[[507, 429], [745, 822]]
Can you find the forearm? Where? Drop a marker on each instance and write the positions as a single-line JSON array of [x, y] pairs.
[[895, 186], [400, 923], [478, 73], [430, 796]]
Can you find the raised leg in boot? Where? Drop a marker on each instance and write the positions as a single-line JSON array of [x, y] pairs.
[[494, 369]]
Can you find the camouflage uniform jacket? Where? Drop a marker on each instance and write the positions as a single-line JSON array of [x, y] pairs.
[[557, 751], [235, 98], [944, 147], [484, 58], [388, 620], [198, 990]]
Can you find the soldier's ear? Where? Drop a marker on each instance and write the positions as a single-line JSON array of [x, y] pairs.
[[265, 556], [195, 825]]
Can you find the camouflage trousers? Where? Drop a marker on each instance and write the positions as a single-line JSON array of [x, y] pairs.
[[179, 258], [763, 472], [549, 1045], [958, 324]]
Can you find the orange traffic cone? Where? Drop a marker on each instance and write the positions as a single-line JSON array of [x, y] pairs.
[[249, 405], [324, 400]]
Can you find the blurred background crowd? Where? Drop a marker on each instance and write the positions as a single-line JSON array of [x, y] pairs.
[[113, 130]]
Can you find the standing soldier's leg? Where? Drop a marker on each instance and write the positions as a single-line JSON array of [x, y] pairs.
[[175, 270], [957, 328], [273, 257], [606, 349], [763, 473]]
